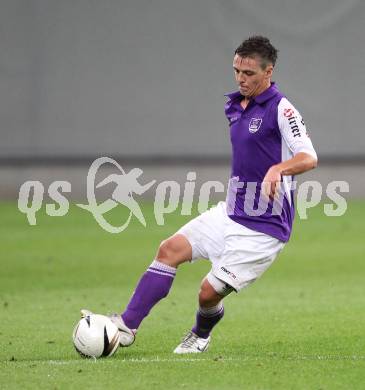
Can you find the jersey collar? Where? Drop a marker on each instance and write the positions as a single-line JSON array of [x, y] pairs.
[[260, 99], [267, 94]]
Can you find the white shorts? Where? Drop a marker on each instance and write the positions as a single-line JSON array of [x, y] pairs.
[[238, 255]]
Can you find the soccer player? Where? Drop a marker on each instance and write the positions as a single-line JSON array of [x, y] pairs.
[[242, 236]]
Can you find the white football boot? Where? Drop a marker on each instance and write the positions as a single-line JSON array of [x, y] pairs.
[[126, 335], [192, 344]]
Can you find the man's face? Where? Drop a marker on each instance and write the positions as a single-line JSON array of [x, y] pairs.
[[250, 77]]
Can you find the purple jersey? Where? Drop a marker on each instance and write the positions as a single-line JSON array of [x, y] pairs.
[[270, 130]]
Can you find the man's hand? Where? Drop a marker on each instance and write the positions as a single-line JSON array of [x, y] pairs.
[[271, 183]]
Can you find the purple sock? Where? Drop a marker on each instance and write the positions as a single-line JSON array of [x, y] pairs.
[[206, 319], [154, 285]]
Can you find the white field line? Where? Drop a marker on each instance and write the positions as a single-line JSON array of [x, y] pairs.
[[196, 360], [228, 359]]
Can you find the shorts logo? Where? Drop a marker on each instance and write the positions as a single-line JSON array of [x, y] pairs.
[[254, 125], [231, 274]]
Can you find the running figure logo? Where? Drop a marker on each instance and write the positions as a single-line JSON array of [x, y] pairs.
[[126, 185]]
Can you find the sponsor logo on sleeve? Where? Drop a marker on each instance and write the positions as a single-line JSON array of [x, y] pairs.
[[292, 119], [288, 112]]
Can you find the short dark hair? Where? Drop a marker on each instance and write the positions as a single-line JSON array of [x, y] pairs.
[[258, 45]]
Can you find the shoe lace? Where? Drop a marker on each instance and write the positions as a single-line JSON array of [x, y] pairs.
[[189, 340]]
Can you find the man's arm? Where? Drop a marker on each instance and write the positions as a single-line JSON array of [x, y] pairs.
[[299, 145], [300, 163]]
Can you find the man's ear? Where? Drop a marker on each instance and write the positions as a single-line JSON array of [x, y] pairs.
[[269, 70]]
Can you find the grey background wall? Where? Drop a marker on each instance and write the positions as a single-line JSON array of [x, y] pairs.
[[147, 78]]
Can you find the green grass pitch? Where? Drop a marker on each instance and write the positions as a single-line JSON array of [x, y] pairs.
[[301, 326]]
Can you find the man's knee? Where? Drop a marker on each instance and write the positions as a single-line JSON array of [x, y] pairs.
[[174, 251], [208, 297]]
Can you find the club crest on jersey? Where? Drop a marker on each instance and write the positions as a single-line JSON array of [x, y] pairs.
[[254, 125]]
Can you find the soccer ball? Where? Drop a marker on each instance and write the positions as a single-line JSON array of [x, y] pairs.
[[95, 336]]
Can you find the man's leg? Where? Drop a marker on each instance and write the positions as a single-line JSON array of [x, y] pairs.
[[156, 282], [210, 312]]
